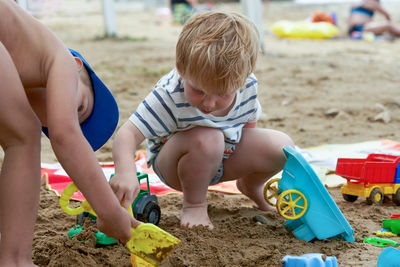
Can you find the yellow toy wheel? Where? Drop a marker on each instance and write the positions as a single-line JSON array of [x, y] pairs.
[[66, 197], [291, 204], [376, 196], [271, 191]]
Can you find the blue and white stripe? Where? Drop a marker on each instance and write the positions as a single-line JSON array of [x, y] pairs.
[[165, 111]]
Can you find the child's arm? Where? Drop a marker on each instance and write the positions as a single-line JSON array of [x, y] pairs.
[[74, 152], [252, 123], [125, 183], [381, 10], [375, 5]]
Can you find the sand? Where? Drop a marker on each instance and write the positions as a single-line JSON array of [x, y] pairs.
[[317, 91]]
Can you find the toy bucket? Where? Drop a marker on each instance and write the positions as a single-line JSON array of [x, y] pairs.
[[389, 257]]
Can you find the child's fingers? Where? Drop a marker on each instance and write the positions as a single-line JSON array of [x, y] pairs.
[[135, 223], [120, 195], [128, 200]]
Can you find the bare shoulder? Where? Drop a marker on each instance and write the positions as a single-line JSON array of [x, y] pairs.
[[4, 4], [16, 23], [371, 4], [29, 43], [8, 11]]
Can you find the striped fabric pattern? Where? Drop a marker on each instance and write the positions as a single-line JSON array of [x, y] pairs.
[[165, 111]]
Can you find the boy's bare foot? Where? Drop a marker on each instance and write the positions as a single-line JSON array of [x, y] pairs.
[[255, 193], [193, 215]]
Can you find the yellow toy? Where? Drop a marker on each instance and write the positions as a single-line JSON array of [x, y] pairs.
[[149, 245], [304, 29], [291, 204], [384, 234]]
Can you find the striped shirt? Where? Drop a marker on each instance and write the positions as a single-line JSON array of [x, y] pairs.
[[166, 111]]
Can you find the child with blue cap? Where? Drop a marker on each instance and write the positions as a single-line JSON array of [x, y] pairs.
[[46, 86]]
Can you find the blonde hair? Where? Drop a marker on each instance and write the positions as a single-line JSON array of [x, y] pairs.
[[217, 50]]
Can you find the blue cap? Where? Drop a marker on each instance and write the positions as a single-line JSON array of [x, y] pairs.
[[101, 124]]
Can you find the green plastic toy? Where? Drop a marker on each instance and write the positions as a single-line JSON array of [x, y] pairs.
[[101, 238], [393, 225], [145, 208], [381, 242]]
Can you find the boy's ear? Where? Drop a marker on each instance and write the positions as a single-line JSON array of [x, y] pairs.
[[79, 63]]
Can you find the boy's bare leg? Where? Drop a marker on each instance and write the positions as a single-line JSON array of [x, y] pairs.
[[20, 172], [252, 186], [188, 162], [380, 27], [256, 159]]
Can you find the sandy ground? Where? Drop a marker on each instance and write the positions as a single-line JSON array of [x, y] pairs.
[[323, 91]]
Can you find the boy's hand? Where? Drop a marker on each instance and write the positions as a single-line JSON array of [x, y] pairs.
[[126, 187], [119, 225]]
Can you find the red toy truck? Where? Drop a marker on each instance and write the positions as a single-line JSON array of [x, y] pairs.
[[374, 177]]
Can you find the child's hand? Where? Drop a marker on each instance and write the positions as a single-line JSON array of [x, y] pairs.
[[119, 225], [126, 187]]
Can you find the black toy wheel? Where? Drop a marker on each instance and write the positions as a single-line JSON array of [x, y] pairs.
[[396, 197], [81, 217], [151, 213], [376, 197], [349, 198]]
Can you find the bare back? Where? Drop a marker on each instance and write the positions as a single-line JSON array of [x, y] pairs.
[[31, 45]]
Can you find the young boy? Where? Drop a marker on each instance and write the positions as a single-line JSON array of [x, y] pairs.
[[43, 84], [199, 121]]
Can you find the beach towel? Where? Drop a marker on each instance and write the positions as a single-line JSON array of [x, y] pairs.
[[56, 179], [322, 159]]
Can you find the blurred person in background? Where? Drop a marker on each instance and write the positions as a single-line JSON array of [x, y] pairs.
[[182, 9], [361, 20]]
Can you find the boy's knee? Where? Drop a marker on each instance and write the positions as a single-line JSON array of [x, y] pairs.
[[275, 152], [285, 140], [282, 141], [209, 141], [276, 141]]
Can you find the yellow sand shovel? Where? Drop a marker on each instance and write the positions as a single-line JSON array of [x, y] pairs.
[[149, 245]]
